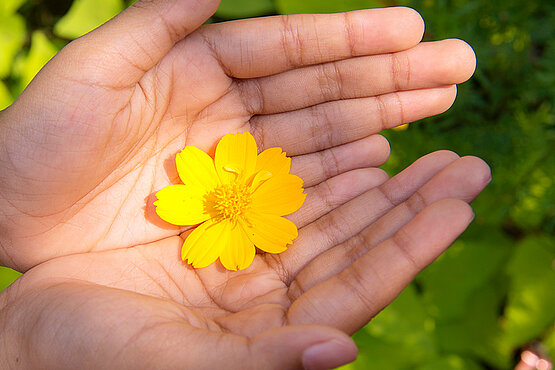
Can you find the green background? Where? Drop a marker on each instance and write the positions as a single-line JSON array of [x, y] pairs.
[[493, 292]]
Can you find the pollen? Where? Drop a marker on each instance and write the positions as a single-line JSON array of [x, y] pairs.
[[231, 201]]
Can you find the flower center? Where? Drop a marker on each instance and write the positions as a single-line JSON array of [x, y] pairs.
[[231, 201]]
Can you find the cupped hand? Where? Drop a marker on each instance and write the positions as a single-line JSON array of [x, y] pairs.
[[141, 307], [94, 136]]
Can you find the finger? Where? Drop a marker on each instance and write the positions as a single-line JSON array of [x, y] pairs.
[[135, 40], [453, 62], [265, 46], [336, 191], [376, 278], [355, 215], [334, 123], [292, 347], [150, 333], [314, 168], [463, 179]]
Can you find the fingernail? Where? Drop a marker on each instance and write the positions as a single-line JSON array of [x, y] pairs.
[[329, 355]]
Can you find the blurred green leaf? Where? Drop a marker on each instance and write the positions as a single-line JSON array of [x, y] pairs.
[[531, 303], [477, 334], [406, 321], [86, 15], [234, 9], [469, 264], [41, 51], [5, 96], [549, 342], [12, 37], [7, 276], [400, 336], [326, 6], [450, 362], [374, 353], [8, 7]]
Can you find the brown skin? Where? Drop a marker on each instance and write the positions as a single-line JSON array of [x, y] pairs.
[[93, 137]]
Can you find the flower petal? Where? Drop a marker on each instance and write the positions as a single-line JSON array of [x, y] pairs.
[[235, 157], [271, 233], [181, 205], [196, 168], [239, 253], [273, 160], [279, 195], [205, 244]]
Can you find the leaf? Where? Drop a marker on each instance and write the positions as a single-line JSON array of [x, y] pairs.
[[375, 353], [450, 362], [477, 334], [234, 9], [7, 276], [401, 335], [466, 267], [549, 342], [325, 6], [86, 15], [41, 51], [5, 96], [406, 321], [530, 307], [12, 37], [8, 7]]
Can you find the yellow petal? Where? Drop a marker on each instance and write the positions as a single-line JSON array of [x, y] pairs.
[[280, 195], [205, 244], [235, 157], [239, 253], [271, 233], [273, 160], [181, 205], [196, 168]]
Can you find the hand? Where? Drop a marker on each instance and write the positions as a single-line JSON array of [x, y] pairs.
[[142, 307], [102, 120], [94, 136]]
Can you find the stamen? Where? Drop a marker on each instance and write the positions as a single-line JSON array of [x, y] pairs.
[[230, 201]]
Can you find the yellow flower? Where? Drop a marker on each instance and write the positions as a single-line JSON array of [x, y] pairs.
[[238, 198]]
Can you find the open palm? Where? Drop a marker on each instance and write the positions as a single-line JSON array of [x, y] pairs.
[[94, 137]]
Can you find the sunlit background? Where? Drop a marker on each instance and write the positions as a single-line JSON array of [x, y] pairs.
[[492, 295]]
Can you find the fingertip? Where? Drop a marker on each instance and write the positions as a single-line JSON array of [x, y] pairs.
[[312, 346], [444, 156], [481, 171], [447, 98], [413, 22], [399, 28], [330, 354], [454, 212], [380, 149], [464, 60]]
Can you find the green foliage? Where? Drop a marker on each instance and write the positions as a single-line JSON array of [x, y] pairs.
[[40, 52], [5, 96], [469, 265], [492, 292], [531, 301], [9, 7], [12, 36], [86, 15], [7, 276], [233, 9], [325, 6]]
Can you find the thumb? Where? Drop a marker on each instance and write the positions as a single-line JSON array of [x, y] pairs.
[[139, 37], [310, 347]]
